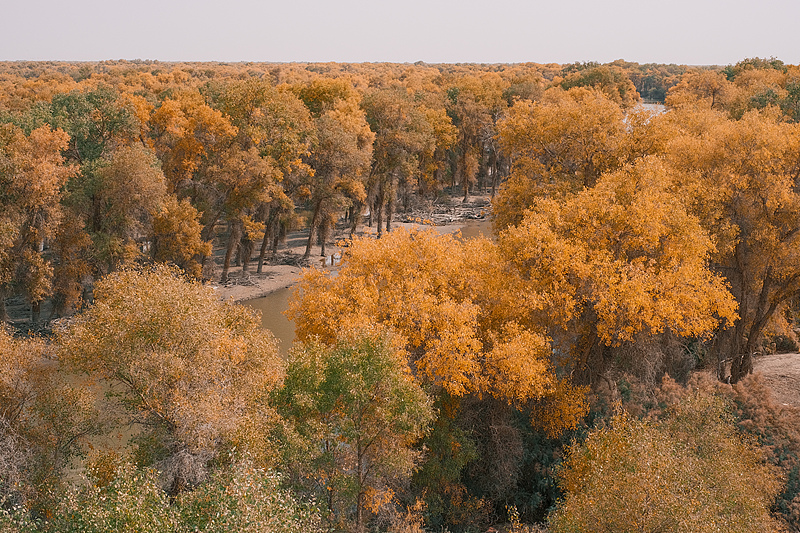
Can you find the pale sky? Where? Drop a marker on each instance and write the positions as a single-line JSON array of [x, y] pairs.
[[695, 32]]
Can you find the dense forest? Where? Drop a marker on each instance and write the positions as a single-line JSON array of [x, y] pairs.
[[588, 368]]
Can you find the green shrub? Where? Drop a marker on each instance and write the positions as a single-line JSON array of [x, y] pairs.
[[244, 499], [132, 500], [239, 498]]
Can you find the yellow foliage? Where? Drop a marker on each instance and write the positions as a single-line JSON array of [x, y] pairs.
[[517, 366], [436, 293], [567, 139], [740, 179], [408, 281], [625, 252], [689, 473], [186, 132], [184, 359], [32, 180], [177, 235]]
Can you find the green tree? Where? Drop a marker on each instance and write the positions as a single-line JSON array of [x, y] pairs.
[[97, 121], [106, 142], [608, 79], [243, 498], [129, 500], [359, 411]]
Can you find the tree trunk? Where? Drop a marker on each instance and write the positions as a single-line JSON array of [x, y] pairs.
[[361, 496], [380, 197], [389, 213], [246, 248], [263, 250], [736, 349], [207, 235], [379, 216], [233, 239], [269, 229], [3, 311], [494, 178], [276, 239], [355, 218], [742, 365], [324, 229], [311, 227], [36, 311]]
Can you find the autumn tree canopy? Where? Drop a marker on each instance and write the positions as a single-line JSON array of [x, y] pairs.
[[359, 412], [189, 368], [669, 476], [418, 284], [621, 259], [33, 174]]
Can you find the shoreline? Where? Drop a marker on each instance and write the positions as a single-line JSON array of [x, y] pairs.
[[242, 287]]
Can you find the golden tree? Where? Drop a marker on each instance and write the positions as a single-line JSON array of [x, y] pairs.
[[618, 260], [32, 178], [129, 187], [429, 290], [185, 365], [611, 80], [278, 125], [341, 155], [740, 178], [187, 133], [559, 145], [44, 420], [177, 236], [689, 472]]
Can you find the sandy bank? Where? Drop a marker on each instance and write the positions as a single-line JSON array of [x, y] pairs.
[[248, 285]]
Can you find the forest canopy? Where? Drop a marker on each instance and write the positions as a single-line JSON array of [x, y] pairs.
[[645, 245]]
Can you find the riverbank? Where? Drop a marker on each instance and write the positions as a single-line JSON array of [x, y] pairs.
[[242, 286], [249, 285]]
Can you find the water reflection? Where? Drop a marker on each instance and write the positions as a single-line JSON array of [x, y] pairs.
[[272, 307]]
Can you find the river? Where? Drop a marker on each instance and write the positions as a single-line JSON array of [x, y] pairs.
[[275, 303]]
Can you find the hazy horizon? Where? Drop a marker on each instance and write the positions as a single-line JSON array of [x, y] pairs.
[[701, 32]]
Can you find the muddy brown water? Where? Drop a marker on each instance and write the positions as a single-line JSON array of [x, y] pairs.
[[273, 305]]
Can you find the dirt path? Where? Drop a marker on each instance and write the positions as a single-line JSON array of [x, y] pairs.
[[782, 374]]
